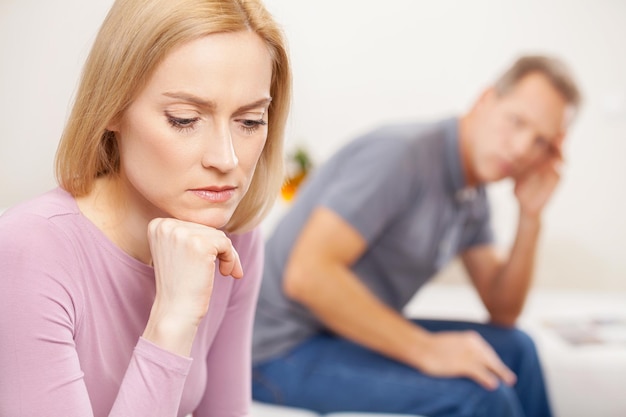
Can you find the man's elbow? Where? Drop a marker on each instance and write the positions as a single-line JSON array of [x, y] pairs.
[[297, 281]]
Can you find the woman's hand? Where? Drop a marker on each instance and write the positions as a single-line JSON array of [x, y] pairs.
[[184, 256]]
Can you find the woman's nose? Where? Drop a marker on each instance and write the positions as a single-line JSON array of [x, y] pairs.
[[220, 152]]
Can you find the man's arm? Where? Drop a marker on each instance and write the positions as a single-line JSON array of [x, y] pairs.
[[318, 276], [503, 284]]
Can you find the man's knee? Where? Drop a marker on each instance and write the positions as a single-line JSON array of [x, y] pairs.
[[501, 402], [522, 341], [518, 349]]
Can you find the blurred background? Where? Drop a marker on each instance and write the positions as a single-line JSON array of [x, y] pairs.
[[360, 63]]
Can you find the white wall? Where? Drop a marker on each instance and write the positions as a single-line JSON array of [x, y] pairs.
[[358, 63]]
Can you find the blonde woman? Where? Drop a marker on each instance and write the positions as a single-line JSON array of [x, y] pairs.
[[130, 289]]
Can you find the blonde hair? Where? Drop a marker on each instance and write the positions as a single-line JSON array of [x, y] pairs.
[[134, 38], [554, 69]]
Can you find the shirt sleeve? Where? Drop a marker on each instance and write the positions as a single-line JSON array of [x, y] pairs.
[[374, 183], [229, 363], [40, 308]]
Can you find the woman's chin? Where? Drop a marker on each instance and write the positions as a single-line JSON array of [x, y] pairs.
[[215, 217]]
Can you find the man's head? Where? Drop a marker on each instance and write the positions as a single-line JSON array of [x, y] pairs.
[[520, 122]]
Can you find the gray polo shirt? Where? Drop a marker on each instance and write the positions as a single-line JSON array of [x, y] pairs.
[[402, 188]]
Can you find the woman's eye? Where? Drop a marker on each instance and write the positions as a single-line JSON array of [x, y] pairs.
[[182, 123], [250, 126]]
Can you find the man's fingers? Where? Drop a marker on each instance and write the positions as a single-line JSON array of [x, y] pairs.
[[494, 366], [489, 375], [502, 372], [482, 376]]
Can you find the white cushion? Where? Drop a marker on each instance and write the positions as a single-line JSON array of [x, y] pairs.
[[270, 410], [368, 415]]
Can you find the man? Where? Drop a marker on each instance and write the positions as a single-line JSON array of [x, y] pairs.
[[376, 222]]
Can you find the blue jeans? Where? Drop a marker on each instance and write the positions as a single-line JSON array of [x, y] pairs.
[[329, 374]]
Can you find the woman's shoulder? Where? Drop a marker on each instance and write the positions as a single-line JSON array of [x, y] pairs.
[[54, 203], [40, 266], [31, 233]]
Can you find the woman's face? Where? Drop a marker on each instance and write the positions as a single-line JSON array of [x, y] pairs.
[[190, 141]]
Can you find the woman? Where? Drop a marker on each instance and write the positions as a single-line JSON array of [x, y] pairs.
[[130, 289]]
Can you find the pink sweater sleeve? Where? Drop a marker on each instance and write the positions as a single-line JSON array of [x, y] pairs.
[[229, 391], [40, 308], [153, 383]]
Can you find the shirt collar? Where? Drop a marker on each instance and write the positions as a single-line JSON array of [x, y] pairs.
[[455, 179]]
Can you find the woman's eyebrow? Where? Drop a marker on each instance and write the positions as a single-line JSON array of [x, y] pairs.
[[190, 98], [259, 103], [199, 101]]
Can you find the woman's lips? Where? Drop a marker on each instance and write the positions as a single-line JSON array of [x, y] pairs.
[[215, 194]]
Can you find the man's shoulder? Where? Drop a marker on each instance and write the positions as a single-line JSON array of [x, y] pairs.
[[400, 137]]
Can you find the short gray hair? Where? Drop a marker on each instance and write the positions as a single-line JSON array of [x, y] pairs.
[[554, 69]]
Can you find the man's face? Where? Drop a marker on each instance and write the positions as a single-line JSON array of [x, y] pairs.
[[519, 130]]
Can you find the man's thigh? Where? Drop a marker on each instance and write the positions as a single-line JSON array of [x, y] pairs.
[[329, 374], [515, 348]]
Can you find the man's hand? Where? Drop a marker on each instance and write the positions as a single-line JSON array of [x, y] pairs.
[[464, 354], [535, 186]]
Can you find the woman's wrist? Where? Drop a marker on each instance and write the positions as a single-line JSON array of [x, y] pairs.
[[171, 332]]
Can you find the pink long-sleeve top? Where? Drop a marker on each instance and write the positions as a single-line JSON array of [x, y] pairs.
[[73, 307]]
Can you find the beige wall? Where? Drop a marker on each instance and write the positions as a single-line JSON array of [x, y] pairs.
[[359, 63]]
